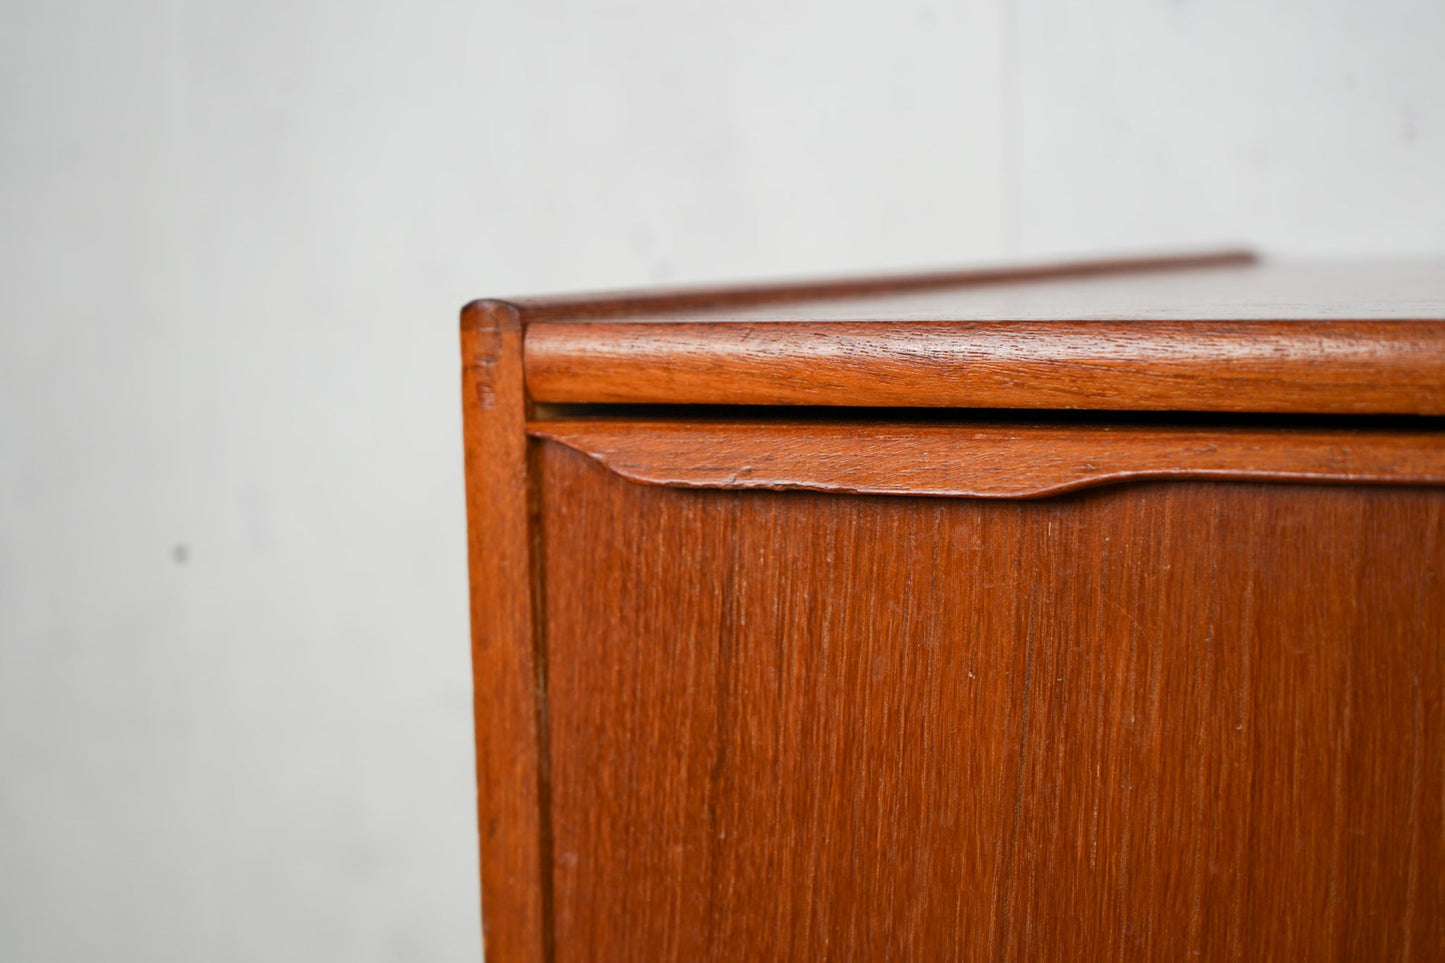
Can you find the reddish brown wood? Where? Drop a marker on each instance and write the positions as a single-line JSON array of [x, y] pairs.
[[1158, 721], [1161, 720], [510, 750], [1370, 366], [1222, 334], [1212, 288], [987, 460], [615, 304]]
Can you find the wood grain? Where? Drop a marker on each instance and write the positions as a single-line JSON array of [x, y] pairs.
[[510, 726], [1151, 722], [1338, 366], [987, 460], [1168, 719]]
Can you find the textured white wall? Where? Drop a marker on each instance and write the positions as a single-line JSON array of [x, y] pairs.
[[234, 691], [1307, 127], [233, 240]]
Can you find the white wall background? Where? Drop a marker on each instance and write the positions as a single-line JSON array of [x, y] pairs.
[[234, 688]]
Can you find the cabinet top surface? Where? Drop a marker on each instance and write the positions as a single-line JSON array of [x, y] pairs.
[[1219, 332], [1274, 291], [1229, 286]]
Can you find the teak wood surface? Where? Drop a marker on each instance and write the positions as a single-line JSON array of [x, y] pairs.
[[506, 664], [1151, 722], [1194, 712], [988, 460], [1214, 334], [1345, 367]]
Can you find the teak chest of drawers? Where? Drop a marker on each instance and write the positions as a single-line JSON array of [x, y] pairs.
[[1093, 611]]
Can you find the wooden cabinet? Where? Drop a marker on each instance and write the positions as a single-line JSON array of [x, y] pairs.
[[1074, 612]]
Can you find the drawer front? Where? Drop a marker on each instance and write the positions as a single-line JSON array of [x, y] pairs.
[[1153, 720]]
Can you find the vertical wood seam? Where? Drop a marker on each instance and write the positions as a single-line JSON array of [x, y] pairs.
[[1006, 932], [537, 556], [724, 677]]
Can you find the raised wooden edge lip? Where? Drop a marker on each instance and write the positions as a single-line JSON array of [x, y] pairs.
[[642, 348], [1315, 366], [645, 302], [989, 461]]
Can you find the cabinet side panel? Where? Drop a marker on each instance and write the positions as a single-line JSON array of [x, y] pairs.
[[504, 657], [1146, 722]]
